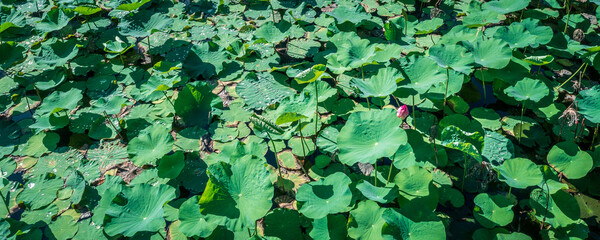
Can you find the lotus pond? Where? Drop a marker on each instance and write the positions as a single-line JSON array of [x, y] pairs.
[[282, 119]]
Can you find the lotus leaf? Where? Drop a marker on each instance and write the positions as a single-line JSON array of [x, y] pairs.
[[327, 196], [370, 135]]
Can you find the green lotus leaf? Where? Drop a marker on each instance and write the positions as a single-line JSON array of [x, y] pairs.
[[488, 118], [330, 227], [370, 135], [366, 221], [237, 194], [39, 191], [422, 73], [312, 74], [87, 9], [539, 60], [273, 32], [55, 19], [130, 5], [559, 209], [528, 90], [493, 210], [516, 35], [193, 104], [193, 222], [289, 117], [347, 12], [327, 196], [356, 53], [301, 49], [414, 181], [519, 173], [205, 60], [454, 57], [477, 18], [171, 165], [10, 18], [505, 6], [381, 85], [57, 53], [496, 148], [11, 54], [143, 211], [384, 194], [283, 223], [150, 145], [261, 90], [491, 53], [428, 26], [64, 227], [467, 142], [567, 158], [39, 144], [143, 23], [399, 225], [588, 102], [118, 46]]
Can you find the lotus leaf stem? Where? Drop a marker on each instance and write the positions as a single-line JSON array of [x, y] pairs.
[[390, 172], [462, 186], [275, 153], [569, 79], [521, 128], [317, 118], [446, 93], [595, 133], [483, 84], [413, 112], [375, 175]]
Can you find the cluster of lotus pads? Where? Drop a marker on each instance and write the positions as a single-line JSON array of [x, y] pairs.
[[161, 119]]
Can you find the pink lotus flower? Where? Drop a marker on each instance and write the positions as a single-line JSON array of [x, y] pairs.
[[402, 112]]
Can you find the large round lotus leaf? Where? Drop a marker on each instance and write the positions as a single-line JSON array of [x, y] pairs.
[[408, 227], [171, 165], [488, 118], [562, 208], [370, 135], [330, 227], [512, 236], [143, 23], [193, 104], [366, 221], [421, 73], [527, 89], [38, 192], [355, 53], [193, 222], [385, 194], [143, 211], [493, 210], [150, 145], [491, 53], [414, 181], [64, 227], [505, 6], [57, 53], [237, 194], [283, 223], [381, 85], [567, 158], [588, 102], [496, 148], [326, 196], [452, 56], [519, 173]]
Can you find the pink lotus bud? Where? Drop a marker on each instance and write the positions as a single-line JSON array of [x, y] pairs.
[[402, 112]]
